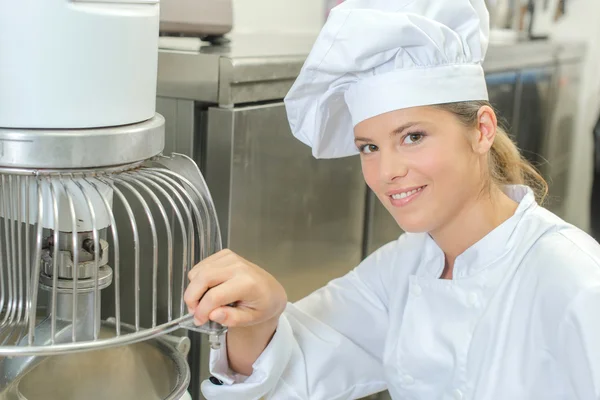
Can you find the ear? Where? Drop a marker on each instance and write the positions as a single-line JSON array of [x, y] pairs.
[[487, 123]]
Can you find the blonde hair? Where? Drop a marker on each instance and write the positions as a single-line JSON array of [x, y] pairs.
[[506, 164]]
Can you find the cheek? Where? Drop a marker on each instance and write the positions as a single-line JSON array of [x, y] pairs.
[[452, 172], [433, 164], [370, 172]]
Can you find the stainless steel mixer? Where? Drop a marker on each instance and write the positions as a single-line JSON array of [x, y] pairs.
[[83, 182]]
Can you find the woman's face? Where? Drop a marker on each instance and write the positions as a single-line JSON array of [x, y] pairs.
[[421, 164]]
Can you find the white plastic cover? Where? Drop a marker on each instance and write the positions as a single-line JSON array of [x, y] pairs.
[[76, 64]]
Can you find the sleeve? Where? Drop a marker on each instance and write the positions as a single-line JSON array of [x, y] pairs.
[[328, 345], [579, 337]]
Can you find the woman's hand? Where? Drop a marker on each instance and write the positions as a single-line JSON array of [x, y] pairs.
[[226, 278]]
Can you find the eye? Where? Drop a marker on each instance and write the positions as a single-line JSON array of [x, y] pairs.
[[368, 148], [413, 138]]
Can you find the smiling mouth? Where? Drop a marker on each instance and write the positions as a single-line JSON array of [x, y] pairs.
[[404, 195]]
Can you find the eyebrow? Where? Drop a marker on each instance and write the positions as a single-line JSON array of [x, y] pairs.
[[395, 132]]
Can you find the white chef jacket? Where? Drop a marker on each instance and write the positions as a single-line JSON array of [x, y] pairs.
[[519, 320]]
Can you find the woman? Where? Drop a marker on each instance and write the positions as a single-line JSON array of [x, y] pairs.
[[487, 295]]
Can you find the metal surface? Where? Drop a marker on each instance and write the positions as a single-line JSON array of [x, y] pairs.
[[298, 217], [381, 227], [251, 68], [81, 148], [149, 370], [519, 55], [532, 112], [180, 122], [558, 141], [502, 87], [255, 68], [64, 261], [503, 13], [196, 17], [571, 51]]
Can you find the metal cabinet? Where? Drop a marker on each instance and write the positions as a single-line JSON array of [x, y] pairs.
[[299, 218], [502, 90], [534, 94], [380, 226], [559, 137]]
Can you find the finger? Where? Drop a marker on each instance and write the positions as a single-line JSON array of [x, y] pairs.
[[210, 261], [226, 293], [234, 316], [208, 279]]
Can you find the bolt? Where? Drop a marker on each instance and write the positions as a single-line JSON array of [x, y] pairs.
[[215, 342], [88, 245]]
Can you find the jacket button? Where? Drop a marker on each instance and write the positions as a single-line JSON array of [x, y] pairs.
[[416, 290], [472, 299], [458, 395], [407, 380]]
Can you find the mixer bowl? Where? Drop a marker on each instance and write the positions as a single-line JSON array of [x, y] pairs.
[[147, 370]]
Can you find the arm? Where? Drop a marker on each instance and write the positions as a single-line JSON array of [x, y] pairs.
[[327, 346], [579, 338]]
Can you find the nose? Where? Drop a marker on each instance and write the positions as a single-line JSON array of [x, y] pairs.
[[391, 166]]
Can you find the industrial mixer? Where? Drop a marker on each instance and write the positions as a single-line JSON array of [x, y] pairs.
[[83, 181]]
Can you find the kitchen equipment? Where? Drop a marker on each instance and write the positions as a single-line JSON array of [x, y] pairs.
[[149, 370], [54, 220], [82, 184], [503, 19], [203, 18], [543, 14], [536, 18], [502, 13]]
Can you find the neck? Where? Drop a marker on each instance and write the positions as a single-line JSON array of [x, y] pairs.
[[474, 221]]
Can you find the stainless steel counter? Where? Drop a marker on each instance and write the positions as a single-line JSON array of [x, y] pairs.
[[249, 69], [255, 68]]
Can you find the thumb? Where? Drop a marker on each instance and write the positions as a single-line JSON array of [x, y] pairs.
[[232, 316]]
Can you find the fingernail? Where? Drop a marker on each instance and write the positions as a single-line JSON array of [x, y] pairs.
[[197, 322], [190, 310]]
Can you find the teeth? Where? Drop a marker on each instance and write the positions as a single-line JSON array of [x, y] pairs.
[[402, 195]]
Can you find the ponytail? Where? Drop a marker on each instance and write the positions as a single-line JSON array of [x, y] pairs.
[[506, 164]]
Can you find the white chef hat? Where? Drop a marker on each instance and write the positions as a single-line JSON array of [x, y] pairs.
[[375, 56]]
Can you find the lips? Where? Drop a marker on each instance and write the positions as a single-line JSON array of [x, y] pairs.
[[404, 196], [404, 192]]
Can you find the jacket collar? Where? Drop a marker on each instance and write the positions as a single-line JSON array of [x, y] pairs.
[[488, 249]]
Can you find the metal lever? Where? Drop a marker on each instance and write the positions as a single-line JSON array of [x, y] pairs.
[[214, 330]]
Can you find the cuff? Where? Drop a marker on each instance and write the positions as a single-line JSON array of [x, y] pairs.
[[267, 369]]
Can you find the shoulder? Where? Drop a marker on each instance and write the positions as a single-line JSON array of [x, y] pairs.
[[565, 253], [562, 264]]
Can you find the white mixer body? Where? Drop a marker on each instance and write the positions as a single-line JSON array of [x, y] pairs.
[[77, 64]]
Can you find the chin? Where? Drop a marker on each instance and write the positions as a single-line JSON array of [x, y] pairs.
[[411, 225]]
